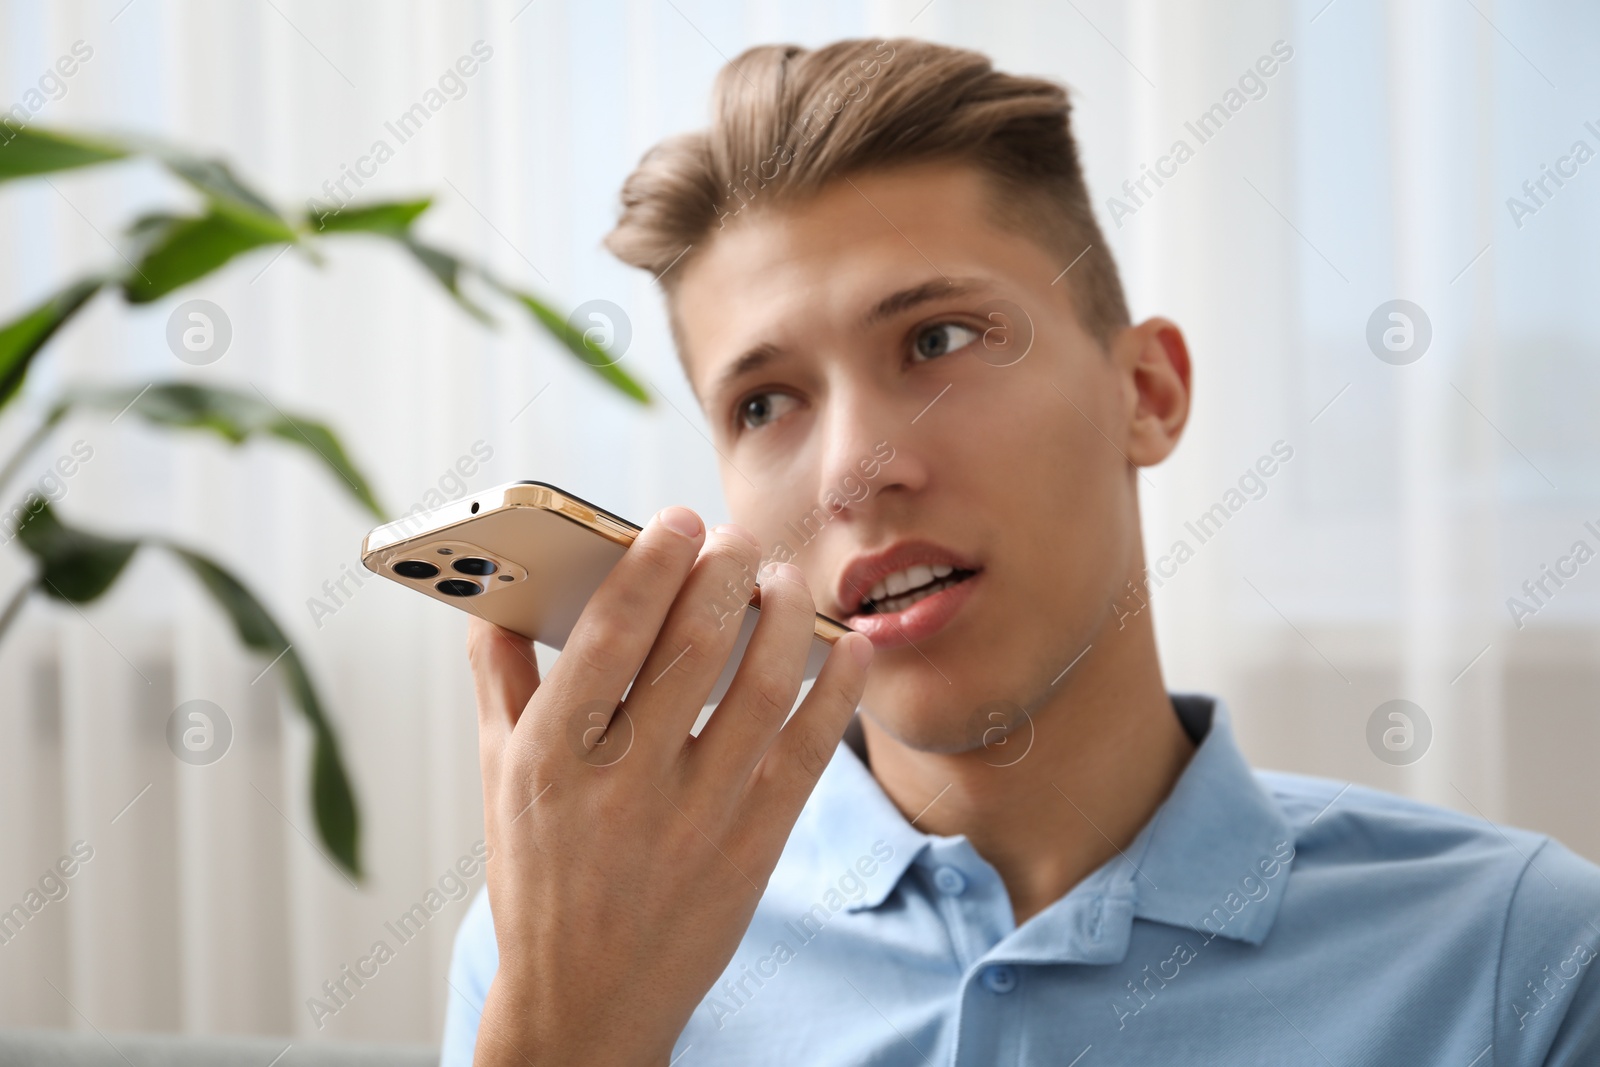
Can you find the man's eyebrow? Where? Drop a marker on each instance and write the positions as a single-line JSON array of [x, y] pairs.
[[753, 360], [906, 299]]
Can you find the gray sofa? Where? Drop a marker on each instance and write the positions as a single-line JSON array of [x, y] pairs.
[[63, 1048]]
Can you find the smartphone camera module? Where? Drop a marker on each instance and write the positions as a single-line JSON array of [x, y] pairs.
[[453, 569]]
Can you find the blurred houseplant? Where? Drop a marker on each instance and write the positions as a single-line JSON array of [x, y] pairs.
[[166, 252]]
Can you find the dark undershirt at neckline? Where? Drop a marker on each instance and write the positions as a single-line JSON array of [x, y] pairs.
[[1194, 715]]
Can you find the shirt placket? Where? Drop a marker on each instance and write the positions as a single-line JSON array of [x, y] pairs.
[[976, 910]]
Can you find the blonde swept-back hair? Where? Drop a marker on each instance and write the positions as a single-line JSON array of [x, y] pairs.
[[786, 121]]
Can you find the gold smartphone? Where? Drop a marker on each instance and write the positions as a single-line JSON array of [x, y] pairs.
[[528, 556]]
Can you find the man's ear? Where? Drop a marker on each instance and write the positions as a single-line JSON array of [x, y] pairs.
[[1152, 359]]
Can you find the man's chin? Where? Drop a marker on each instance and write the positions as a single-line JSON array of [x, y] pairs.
[[930, 735], [996, 727]]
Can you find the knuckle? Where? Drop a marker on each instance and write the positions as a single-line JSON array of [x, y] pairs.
[[738, 552], [813, 754], [599, 648], [728, 614], [660, 559], [654, 573], [768, 697], [695, 640], [693, 656], [732, 576], [786, 596]]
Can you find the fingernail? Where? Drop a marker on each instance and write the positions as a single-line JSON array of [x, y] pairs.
[[860, 648], [682, 520], [733, 529]]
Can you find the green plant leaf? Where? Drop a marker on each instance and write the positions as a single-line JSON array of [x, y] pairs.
[[38, 151], [234, 415], [23, 337], [227, 195], [581, 345], [389, 219], [320, 438], [75, 565], [448, 271], [178, 249], [31, 150], [78, 566], [332, 799]]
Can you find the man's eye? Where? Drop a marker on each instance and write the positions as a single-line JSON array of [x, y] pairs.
[[942, 339], [758, 410]]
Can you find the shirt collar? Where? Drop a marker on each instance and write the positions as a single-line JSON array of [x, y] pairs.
[[1201, 862], [1209, 857], [849, 813]]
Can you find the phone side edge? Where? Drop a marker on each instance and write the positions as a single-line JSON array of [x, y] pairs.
[[527, 493]]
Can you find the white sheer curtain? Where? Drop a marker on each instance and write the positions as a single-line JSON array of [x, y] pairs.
[[1375, 563]]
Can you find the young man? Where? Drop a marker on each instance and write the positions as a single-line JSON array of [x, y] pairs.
[[909, 340]]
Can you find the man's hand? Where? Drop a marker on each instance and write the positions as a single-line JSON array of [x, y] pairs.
[[627, 856]]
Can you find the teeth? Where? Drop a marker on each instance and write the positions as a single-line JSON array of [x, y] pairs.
[[901, 603], [886, 595]]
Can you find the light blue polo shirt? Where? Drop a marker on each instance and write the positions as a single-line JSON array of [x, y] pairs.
[[1258, 918]]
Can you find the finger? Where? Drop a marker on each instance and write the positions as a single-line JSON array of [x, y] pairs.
[[769, 677], [620, 623], [790, 769], [505, 675], [696, 639]]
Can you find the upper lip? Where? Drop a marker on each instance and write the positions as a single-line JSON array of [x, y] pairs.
[[866, 571]]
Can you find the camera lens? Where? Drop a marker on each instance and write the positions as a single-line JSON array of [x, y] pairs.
[[474, 565], [458, 587], [415, 568]]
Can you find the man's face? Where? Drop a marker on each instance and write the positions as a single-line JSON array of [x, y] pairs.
[[881, 318]]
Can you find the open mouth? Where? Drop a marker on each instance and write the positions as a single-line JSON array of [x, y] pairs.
[[907, 592], [898, 591]]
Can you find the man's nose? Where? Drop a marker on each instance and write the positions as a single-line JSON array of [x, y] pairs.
[[873, 449]]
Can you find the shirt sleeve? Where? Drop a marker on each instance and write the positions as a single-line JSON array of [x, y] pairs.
[[472, 966], [1547, 1004]]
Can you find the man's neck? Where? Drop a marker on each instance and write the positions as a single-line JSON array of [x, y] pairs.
[[1107, 749]]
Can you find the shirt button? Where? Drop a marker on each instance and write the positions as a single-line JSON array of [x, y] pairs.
[[950, 881], [1000, 979]]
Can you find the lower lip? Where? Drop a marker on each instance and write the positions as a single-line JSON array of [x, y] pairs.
[[918, 622]]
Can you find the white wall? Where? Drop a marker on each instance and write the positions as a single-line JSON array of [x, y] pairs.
[[1377, 565]]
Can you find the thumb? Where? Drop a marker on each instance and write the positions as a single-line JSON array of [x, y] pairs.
[[505, 675]]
